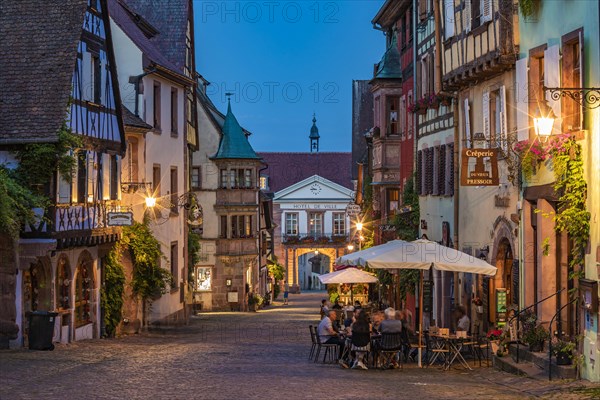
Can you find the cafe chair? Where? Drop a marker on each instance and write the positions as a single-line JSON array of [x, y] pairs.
[[389, 349], [313, 340], [360, 344], [331, 350]]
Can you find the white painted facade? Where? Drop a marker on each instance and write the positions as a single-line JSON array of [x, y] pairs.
[[161, 153]]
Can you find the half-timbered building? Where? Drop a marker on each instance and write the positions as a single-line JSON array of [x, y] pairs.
[[479, 44], [58, 73], [435, 155]]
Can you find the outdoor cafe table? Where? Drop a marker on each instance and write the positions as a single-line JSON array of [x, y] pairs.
[[453, 344]]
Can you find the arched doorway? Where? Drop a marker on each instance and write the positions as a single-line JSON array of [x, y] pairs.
[[501, 285], [37, 293], [84, 298]]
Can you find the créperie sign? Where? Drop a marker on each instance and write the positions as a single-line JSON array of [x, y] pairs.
[[119, 218], [479, 167]]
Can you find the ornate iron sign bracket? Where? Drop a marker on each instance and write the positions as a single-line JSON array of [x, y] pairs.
[[586, 97]]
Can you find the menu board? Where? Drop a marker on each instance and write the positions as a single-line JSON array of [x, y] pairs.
[[427, 296], [501, 306]]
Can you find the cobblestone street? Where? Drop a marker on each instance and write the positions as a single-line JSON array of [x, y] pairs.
[[238, 356]]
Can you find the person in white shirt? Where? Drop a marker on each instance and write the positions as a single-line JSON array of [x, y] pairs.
[[327, 335], [464, 323]]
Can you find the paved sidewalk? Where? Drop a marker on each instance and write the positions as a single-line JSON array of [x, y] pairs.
[[241, 356]]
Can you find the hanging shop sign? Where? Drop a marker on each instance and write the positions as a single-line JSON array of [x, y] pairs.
[[479, 167], [119, 218]]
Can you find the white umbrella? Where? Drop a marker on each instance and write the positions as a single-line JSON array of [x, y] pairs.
[[422, 255], [347, 275]]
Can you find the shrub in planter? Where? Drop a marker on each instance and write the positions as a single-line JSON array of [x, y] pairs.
[[535, 338], [563, 350]]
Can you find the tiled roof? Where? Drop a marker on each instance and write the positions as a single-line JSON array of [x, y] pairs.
[[170, 18], [38, 48], [285, 169], [130, 119], [124, 16], [234, 144]]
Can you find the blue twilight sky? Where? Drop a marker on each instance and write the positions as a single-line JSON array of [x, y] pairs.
[[284, 60]]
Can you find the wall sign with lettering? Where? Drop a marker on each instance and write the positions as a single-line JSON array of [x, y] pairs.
[[479, 167]]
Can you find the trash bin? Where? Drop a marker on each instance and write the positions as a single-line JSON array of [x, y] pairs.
[[41, 330]]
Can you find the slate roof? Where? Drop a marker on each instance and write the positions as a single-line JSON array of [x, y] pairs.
[[130, 119], [125, 17], [286, 168], [38, 48], [389, 67], [170, 18], [234, 144], [217, 116]]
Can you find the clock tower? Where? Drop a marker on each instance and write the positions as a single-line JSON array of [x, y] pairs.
[[314, 136]]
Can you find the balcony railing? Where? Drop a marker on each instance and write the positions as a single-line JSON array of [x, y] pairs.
[[308, 239]]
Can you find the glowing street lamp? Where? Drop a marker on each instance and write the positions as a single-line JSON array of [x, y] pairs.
[[150, 201], [543, 123], [350, 247], [359, 227]]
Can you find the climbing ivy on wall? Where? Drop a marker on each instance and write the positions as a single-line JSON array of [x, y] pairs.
[[572, 215], [113, 289]]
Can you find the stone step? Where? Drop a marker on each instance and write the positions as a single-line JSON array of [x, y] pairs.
[[534, 365]]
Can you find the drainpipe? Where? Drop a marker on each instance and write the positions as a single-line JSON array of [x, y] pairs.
[[135, 80]]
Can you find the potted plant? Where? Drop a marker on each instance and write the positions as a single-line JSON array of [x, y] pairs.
[[494, 336], [563, 350], [255, 301], [535, 338]]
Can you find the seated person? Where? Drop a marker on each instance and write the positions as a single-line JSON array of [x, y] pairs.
[[327, 335], [336, 305], [324, 308], [376, 320], [390, 324], [464, 323], [351, 318], [361, 340], [357, 304]]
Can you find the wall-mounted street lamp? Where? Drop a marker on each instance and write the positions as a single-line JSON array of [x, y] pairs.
[[359, 227], [350, 247], [544, 122], [188, 201]]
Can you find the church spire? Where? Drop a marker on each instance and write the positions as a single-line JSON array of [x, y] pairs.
[[314, 136]]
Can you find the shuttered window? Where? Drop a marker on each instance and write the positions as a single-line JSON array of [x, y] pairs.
[[466, 15], [448, 19], [486, 117], [486, 10], [420, 172], [436, 175], [552, 79], [429, 171], [502, 134], [572, 76], [450, 170], [441, 171], [522, 100], [467, 119]]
